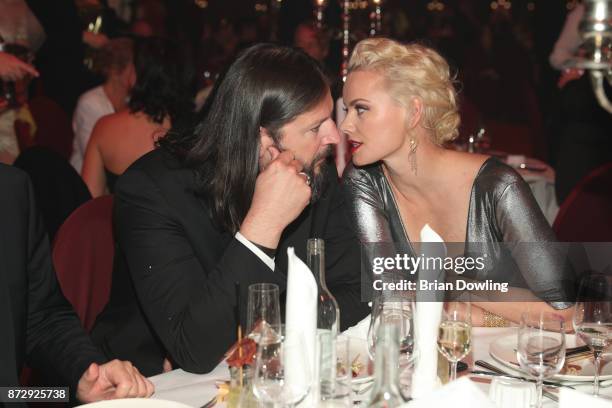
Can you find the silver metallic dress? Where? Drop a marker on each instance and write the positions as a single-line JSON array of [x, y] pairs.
[[504, 220]]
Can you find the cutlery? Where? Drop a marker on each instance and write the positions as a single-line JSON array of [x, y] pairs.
[[210, 403], [573, 350], [497, 370], [479, 373]]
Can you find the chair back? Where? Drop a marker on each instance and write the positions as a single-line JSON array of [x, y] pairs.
[[586, 214], [58, 187], [83, 257]]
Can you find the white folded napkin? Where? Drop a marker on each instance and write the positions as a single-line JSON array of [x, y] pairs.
[[462, 393], [427, 321], [301, 320], [569, 398], [360, 330]]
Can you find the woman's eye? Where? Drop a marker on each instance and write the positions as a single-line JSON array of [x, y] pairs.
[[360, 109], [344, 109]]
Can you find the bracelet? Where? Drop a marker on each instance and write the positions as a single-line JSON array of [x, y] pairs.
[[494, 320]]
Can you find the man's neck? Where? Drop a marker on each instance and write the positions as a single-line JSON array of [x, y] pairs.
[[116, 94]]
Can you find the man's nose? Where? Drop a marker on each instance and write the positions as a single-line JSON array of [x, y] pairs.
[[332, 136]]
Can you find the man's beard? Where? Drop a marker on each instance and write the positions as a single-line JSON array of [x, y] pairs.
[[316, 171]]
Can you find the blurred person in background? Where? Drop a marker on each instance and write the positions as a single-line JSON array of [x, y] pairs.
[[11, 69], [60, 59], [115, 62], [161, 97], [583, 141], [18, 25]]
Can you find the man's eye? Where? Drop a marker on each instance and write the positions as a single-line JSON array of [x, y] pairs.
[[316, 129]]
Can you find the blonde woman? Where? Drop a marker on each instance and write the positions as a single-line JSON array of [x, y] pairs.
[[401, 109]]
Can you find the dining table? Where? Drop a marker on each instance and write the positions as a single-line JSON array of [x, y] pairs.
[[196, 390]]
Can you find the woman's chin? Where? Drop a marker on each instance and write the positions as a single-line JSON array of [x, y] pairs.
[[360, 160]]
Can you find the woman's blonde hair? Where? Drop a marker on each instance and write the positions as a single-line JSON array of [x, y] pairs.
[[410, 71]]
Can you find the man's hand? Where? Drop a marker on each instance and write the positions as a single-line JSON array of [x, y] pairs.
[[116, 379], [12, 68], [281, 194]]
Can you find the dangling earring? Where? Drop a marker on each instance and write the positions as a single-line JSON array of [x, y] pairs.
[[412, 156]]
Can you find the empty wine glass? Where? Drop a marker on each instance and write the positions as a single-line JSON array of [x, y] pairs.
[[593, 317], [282, 375], [263, 310], [455, 333], [541, 346]]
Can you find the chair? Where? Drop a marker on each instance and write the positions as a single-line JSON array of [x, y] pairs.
[[586, 214], [83, 257], [58, 187], [54, 126]]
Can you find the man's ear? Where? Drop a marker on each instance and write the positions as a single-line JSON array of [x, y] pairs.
[[265, 141]]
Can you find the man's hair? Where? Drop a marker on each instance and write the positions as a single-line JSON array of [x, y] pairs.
[[267, 86], [116, 55], [164, 80]]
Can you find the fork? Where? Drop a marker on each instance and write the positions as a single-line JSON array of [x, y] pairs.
[[210, 403]]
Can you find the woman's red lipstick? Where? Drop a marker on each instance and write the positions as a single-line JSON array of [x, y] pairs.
[[353, 146]]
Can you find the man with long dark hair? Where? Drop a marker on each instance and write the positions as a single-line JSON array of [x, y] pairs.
[[220, 205]]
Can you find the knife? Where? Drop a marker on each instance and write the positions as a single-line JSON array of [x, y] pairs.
[[496, 370], [499, 371]]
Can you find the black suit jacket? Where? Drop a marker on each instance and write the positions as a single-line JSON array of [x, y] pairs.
[[173, 284], [38, 325]]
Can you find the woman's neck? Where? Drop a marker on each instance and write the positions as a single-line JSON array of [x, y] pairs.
[[420, 177]]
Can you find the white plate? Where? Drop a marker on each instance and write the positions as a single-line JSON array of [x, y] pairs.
[[136, 403], [358, 348], [503, 350]]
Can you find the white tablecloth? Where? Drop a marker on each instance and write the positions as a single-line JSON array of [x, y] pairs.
[[195, 390]]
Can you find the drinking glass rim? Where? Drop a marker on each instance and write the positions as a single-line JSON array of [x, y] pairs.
[[529, 320], [263, 287]]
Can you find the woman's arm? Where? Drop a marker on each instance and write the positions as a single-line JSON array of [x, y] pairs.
[[540, 259]]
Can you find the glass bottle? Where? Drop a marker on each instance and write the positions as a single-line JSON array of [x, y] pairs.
[[328, 321], [386, 392], [328, 313]]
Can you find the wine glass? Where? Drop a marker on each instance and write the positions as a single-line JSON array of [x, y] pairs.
[[541, 346], [282, 375], [593, 317], [455, 333], [399, 312], [263, 310]]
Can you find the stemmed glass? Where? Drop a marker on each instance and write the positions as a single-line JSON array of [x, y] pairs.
[[282, 375], [593, 317], [455, 333], [399, 312], [541, 346], [263, 310]]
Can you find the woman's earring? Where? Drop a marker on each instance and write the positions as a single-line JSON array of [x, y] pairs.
[[412, 158]]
